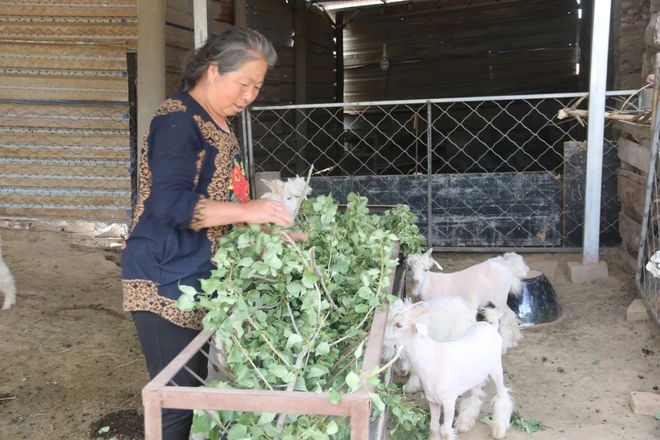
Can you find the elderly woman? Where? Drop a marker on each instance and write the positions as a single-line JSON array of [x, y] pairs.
[[192, 187]]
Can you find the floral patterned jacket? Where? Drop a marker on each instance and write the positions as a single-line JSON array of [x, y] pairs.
[[185, 157]]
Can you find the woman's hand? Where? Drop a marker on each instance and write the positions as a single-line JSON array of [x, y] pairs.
[[266, 211]]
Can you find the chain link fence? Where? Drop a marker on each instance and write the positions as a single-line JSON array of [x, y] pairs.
[[484, 172]]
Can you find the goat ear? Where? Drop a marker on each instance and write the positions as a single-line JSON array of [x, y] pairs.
[[436, 264], [276, 186], [429, 252]]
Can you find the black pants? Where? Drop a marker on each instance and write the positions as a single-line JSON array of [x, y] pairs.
[[161, 342]]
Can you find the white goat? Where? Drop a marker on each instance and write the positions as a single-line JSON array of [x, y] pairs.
[[290, 193], [447, 318], [7, 285], [449, 369], [492, 280]]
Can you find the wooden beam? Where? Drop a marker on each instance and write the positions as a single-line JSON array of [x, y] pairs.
[[151, 61], [201, 20], [240, 13], [339, 56]]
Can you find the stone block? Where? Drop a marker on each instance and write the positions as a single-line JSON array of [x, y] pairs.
[[583, 273], [636, 311], [645, 403]]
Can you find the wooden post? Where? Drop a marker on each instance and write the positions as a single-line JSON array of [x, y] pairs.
[[360, 413], [240, 13], [150, 63], [153, 421]]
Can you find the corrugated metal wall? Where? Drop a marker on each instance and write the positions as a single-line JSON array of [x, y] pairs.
[[65, 141], [457, 48], [64, 123]]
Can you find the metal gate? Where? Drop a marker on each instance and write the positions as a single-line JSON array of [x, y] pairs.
[[481, 173]]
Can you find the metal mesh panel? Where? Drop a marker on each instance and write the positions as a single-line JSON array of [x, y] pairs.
[[490, 172]]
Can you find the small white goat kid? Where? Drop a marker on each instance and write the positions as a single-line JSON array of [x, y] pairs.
[[7, 285], [290, 193], [449, 369], [491, 280], [447, 318]]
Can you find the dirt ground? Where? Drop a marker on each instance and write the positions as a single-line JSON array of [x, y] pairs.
[[70, 362]]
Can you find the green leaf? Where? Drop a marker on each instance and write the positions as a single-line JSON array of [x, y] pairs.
[[353, 381], [185, 302], [358, 351], [309, 278], [331, 428], [245, 262], [377, 401], [294, 289], [294, 339], [322, 349], [104, 429], [266, 418], [188, 290], [316, 371], [210, 285], [201, 422]]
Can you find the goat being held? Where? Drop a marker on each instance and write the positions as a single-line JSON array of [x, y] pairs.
[[290, 193], [447, 318], [449, 369], [492, 280]]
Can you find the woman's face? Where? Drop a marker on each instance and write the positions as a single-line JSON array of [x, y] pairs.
[[229, 93]]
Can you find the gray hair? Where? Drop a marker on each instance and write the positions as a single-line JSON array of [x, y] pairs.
[[230, 50]]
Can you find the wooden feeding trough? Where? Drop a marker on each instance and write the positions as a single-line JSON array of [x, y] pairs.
[[162, 393]]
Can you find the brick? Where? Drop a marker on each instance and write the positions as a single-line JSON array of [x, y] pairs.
[[645, 403], [636, 311], [583, 273]]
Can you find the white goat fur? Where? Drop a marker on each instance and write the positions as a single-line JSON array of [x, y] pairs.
[[491, 280], [449, 369], [290, 193], [447, 318], [7, 285]]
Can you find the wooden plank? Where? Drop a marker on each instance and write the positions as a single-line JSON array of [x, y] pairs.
[[64, 168], [62, 56], [65, 152], [630, 231], [44, 87], [636, 132], [36, 181], [634, 154], [96, 214], [63, 138], [631, 192], [118, 33], [69, 116], [72, 199], [88, 9]]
